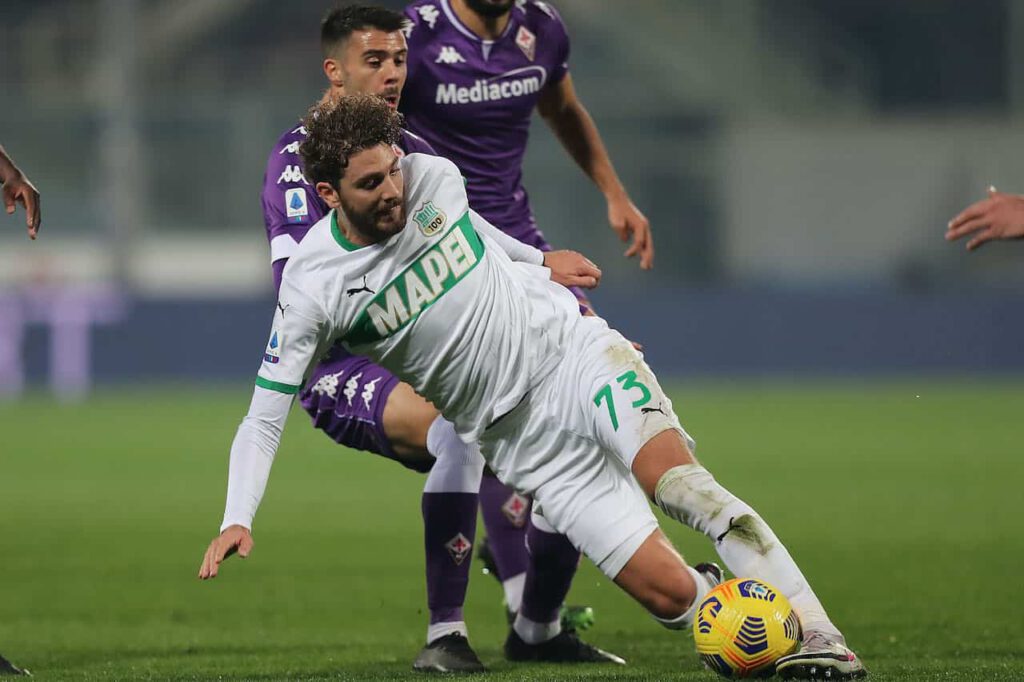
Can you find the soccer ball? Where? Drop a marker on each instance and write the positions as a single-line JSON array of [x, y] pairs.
[[743, 626]]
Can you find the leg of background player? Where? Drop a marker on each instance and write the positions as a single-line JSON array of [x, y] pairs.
[[669, 474], [449, 519], [553, 563], [362, 406], [506, 517], [8, 668]]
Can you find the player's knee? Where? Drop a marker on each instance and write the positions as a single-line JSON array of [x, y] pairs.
[[407, 418], [670, 598]]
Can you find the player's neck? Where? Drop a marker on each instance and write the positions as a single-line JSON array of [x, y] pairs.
[[351, 234], [486, 28]]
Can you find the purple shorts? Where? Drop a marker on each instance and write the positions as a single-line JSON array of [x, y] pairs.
[[345, 395]]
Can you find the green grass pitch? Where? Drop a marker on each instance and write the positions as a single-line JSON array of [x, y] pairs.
[[901, 501]]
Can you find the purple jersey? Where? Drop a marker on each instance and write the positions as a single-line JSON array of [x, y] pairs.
[[472, 99], [290, 203]]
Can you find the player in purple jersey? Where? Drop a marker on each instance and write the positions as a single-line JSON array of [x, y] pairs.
[[363, 406], [477, 70]]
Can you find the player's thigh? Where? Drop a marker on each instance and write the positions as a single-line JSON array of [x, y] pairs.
[[576, 487], [406, 419], [621, 403], [593, 499], [347, 396]]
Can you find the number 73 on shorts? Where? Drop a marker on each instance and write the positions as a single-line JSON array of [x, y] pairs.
[[629, 389]]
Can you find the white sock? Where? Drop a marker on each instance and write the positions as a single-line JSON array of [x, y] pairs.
[[514, 591], [458, 467], [686, 619], [532, 632], [436, 631], [746, 544]]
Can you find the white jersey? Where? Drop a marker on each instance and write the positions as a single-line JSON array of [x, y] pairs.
[[451, 305], [439, 304]]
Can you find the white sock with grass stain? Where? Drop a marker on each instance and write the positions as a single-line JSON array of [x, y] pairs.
[[747, 545]]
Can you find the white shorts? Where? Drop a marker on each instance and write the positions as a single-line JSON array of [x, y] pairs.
[[570, 444]]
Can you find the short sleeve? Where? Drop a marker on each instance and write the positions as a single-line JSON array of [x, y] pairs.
[[290, 204], [558, 36]]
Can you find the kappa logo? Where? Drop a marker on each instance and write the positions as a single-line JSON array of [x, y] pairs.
[[301, 130], [328, 385], [407, 28], [429, 219], [527, 42], [351, 387], [273, 352], [292, 174], [368, 391], [458, 547], [290, 148], [296, 204], [449, 55], [429, 14], [516, 509]]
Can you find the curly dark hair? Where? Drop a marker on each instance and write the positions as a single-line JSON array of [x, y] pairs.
[[338, 129]]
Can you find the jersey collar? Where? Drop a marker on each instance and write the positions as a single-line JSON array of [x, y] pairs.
[[453, 18], [339, 236]]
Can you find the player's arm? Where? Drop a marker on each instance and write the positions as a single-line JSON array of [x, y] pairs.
[[18, 189], [1000, 216], [568, 268], [575, 129], [292, 348]]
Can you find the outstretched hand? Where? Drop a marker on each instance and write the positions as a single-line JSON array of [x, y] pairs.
[[627, 221], [18, 190], [1000, 216], [572, 269], [233, 539]]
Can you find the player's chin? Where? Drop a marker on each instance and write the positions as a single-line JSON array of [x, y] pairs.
[[392, 221]]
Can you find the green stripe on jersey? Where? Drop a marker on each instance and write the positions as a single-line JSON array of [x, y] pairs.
[[277, 386], [417, 287]]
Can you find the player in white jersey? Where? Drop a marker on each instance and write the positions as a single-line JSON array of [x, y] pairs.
[[563, 407]]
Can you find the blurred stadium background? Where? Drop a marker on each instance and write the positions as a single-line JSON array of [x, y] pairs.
[[798, 161]]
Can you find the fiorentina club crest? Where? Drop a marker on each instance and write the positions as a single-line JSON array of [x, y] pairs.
[[515, 509], [527, 42], [459, 548]]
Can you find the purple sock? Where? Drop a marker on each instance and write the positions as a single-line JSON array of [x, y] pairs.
[[553, 563], [506, 515], [449, 530]]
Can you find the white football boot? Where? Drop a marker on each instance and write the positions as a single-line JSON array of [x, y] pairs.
[[821, 657]]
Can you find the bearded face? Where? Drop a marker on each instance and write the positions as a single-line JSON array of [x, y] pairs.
[[490, 8]]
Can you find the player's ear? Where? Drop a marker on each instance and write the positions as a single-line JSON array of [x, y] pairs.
[[332, 69], [328, 194]]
